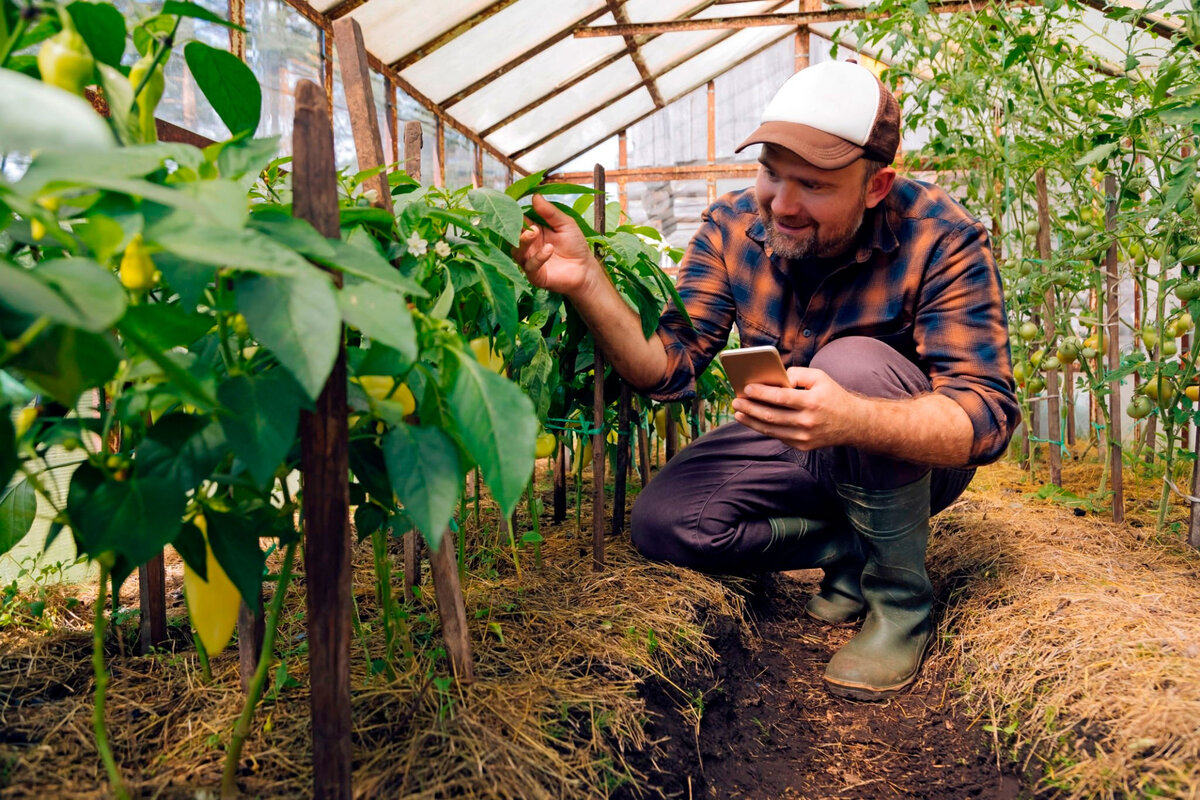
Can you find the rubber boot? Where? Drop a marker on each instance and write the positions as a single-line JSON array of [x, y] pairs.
[[836, 550], [885, 656]]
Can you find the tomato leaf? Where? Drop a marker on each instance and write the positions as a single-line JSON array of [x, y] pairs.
[[64, 361], [381, 314], [18, 508], [298, 320], [190, 546], [63, 121], [179, 8], [228, 84], [185, 448], [165, 326], [424, 470], [368, 518], [234, 541], [265, 413], [496, 426], [499, 211], [133, 519], [103, 28]]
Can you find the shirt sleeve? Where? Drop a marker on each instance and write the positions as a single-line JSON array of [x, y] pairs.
[[961, 333], [703, 285]]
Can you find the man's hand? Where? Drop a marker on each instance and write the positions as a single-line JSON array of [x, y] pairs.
[[557, 259], [816, 413]]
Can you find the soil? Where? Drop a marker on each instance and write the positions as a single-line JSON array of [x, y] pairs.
[[769, 729]]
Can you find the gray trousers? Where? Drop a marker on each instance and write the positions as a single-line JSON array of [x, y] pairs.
[[709, 507]]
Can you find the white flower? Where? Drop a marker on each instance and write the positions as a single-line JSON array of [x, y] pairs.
[[371, 194], [442, 249], [416, 245]]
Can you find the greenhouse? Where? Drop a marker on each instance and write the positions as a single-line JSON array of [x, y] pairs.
[[599, 399]]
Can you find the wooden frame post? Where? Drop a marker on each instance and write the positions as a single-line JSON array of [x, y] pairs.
[[439, 154], [413, 139], [325, 467], [598, 438], [1111, 334], [1053, 418]]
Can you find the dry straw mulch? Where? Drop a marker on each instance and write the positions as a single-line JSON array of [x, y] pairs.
[[560, 654], [1077, 640]]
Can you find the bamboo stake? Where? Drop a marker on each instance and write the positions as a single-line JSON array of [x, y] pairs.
[[598, 438], [1111, 334], [451, 609], [325, 469], [1054, 421]]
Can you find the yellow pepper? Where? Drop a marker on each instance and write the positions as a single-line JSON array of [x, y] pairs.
[[151, 94], [485, 355], [137, 268], [25, 419], [383, 387], [545, 445], [65, 60], [212, 604]]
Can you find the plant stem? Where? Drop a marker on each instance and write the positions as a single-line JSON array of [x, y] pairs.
[[202, 653], [101, 674], [242, 729], [383, 590], [11, 44]]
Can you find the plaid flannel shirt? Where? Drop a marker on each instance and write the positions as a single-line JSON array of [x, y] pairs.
[[922, 279]]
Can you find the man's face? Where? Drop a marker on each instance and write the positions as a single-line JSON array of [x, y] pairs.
[[808, 211]]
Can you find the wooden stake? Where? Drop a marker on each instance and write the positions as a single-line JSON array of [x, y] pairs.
[[560, 481], [252, 627], [1053, 418], [1194, 515], [624, 407], [643, 450], [413, 137], [451, 609], [356, 82], [1111, 334], [598, 438], [439, 154], [325, 468], [152, 591]]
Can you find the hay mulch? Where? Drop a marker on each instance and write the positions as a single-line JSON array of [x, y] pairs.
[[1077, 641], [554, 713]]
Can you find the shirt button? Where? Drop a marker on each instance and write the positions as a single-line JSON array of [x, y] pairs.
[[807, 332]]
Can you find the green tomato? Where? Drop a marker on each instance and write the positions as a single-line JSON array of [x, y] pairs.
[[1021, 371], [1139, 407], [1029, 331], [1032, 228], [1088, 352], [1196, 197], [1051, 363], [1189, 255], [1068, 351], [1036, 385], [1188, 289], [1150, 337], [1169, 348], [1036, 357]]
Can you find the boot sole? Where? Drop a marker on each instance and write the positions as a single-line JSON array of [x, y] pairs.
[[845, 623], [859, 691]]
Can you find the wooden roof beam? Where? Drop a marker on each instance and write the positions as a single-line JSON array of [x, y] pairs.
[[635, 54], [585, 31], [607, 62], [679, 96], [545, 45], [646, 81], [445, 37], [343, 8]]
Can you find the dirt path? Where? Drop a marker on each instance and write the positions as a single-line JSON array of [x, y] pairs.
[[770, 730]]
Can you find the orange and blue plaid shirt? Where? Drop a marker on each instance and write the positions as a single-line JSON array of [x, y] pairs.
[[922, 279]]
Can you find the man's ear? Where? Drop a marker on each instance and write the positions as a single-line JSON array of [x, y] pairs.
[[879, 186]]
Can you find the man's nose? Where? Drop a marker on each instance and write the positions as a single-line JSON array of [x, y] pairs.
[[788, 201]]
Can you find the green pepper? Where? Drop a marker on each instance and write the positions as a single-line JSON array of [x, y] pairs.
[[150, 95], [65, 60]]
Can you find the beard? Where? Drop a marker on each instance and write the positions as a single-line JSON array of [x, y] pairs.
[[817, 241]]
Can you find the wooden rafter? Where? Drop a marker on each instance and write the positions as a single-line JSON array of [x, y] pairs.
[[343, 8], [628, 91], [585, 31], [679, 96], [323, 24], [545, 45], [635, 54], [607, 62], [445, 37]]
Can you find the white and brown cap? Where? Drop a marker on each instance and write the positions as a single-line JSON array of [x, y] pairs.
[[831, 114]]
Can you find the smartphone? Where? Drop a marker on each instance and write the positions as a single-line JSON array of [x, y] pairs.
[[746, 365]]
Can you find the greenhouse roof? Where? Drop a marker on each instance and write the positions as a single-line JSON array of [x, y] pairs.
[[542, 81]]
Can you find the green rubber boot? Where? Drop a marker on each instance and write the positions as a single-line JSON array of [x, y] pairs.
[[885, 656], [836, 550]]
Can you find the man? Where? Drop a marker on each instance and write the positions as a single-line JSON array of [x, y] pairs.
[[883, 298]]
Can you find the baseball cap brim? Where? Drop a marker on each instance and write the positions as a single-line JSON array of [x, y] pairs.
[[821, 149]]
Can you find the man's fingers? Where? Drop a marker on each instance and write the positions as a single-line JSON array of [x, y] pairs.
[[803, 377], [554, 217]]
